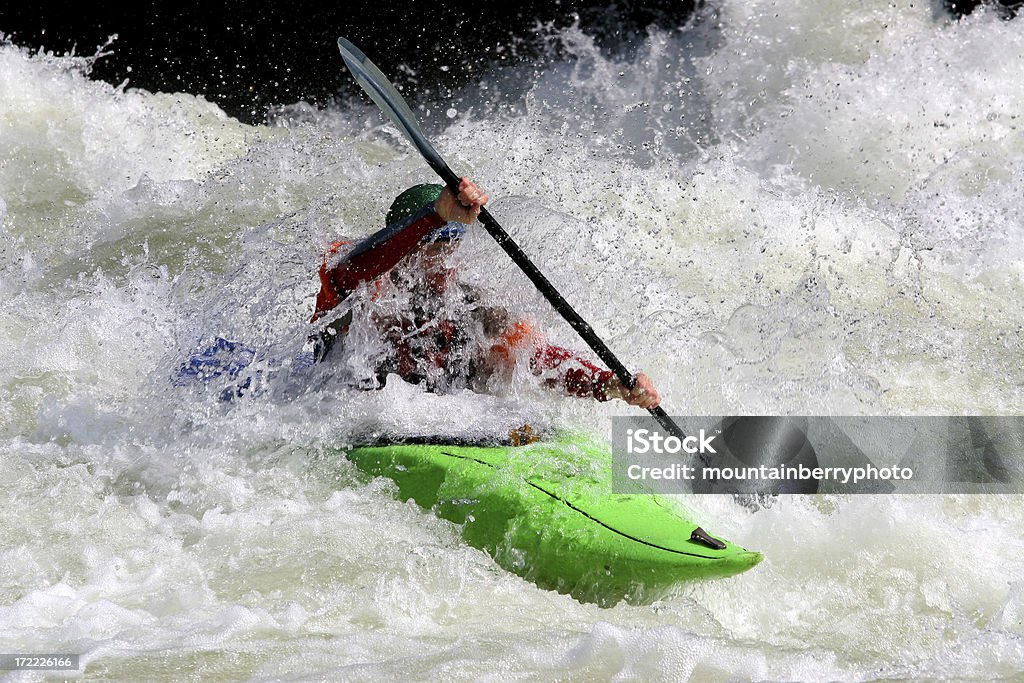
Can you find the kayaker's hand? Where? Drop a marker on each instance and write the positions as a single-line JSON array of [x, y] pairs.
[[643, 393], [465, 207]]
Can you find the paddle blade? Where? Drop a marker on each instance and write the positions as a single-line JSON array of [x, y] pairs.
[[387, 98]]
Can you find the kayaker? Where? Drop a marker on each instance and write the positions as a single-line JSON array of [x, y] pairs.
[[435, 329]]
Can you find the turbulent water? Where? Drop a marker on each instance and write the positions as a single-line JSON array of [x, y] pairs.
[[788, 208]]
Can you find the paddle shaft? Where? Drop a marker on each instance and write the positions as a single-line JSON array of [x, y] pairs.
[[559, 303]]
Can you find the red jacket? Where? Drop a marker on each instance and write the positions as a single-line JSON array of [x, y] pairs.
[[343, 271]]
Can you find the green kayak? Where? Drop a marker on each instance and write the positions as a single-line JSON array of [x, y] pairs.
[[545, 511]]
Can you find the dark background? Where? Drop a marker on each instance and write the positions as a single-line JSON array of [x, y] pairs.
[[246, 56]]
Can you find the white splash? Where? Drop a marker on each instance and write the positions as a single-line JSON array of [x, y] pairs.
[[808, 208]]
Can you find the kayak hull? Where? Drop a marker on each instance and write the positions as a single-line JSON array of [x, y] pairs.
[[547, 513]]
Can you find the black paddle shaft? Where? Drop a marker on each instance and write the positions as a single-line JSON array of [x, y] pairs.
[[559, 303]]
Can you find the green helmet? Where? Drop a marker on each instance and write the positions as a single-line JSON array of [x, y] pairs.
[[411, 201]]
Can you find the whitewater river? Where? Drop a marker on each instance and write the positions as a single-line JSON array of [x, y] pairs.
[[808, 208]]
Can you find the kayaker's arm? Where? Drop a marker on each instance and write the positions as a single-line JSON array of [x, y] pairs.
[[584, 379], [564, 370], [343, 271], [567, 372]]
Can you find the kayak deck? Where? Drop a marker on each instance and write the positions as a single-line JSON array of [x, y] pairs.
[[546, 512]]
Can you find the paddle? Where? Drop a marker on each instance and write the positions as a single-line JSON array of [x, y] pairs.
[[384, 95]]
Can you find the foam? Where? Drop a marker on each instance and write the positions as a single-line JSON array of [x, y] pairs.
[[770, 212]]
